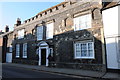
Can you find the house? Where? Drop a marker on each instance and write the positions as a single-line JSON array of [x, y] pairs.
[[67, 35], [5, 45], [111, 18], [71, 32]]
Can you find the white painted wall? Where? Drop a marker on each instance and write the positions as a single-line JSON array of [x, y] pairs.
[[111, 32], [110, 21], [9, 57]]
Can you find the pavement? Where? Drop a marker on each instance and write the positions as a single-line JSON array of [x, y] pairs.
[[0, 70], [73, 72]]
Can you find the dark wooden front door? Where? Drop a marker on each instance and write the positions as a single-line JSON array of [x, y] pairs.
[[43, 57]]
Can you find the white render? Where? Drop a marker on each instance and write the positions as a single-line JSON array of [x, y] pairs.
[[9, 57], [112, 37]]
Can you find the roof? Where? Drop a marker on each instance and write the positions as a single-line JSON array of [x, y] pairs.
[[6, 33], [107, 5], [52, 7]]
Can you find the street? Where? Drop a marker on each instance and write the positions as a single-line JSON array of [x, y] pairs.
[[17, 72]]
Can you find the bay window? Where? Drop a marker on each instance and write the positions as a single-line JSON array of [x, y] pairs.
[[84, 50]]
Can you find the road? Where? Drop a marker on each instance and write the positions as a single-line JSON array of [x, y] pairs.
[[17, 72]]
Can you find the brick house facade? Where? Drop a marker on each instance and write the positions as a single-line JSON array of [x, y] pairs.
[[55, 32]]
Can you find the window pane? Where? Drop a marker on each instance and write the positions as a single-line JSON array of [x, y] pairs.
[[25, 50], [90, 50], [84, 50], [77, 50], [21, 34], [76, 23], [17, 50], [39, 33], [90, 46], [82, 22], [49, 31], [83, 53], [90, 53]]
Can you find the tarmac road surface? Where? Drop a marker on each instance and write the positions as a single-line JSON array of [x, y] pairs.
[[9, 72]]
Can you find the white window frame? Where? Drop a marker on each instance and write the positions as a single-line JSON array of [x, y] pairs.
[[17, 50], [84, 20], [39, 32], [21, 33], [25, 50], [80, 50], [49, 30]]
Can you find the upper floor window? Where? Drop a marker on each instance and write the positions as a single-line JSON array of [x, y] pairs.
[[39, 32], [82, 22], [17, 50], [49, 30], [25, 50], [21, 34], [84, 50]]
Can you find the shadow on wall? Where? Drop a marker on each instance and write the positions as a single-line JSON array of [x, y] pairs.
[[113, 53]]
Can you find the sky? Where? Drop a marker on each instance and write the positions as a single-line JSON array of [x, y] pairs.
[[10, 11]]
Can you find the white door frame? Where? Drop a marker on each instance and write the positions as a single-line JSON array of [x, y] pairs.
[[47, 53]]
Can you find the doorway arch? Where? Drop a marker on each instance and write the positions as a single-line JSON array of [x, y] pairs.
[[43, 53]]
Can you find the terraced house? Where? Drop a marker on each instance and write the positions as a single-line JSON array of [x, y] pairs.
[[68, 35]]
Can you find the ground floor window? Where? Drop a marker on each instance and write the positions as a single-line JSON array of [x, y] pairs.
[[84, 49], [17, 50], [25, 50]]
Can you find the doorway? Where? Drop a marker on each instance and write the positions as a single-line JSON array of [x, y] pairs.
[[43, 53], [43, 56]]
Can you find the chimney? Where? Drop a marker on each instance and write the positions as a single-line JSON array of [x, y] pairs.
[[6, 28], [18, 22], [1, 32]]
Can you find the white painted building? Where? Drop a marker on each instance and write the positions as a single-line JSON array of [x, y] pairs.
[[112, 36]]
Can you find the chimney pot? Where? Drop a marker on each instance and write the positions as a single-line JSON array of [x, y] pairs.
[[18, 22], [6, 28]]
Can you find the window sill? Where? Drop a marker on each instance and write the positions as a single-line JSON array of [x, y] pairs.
[[39, 39], [48, 38], [83, 29], [17, 57], [24, 57], [84, 58]]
